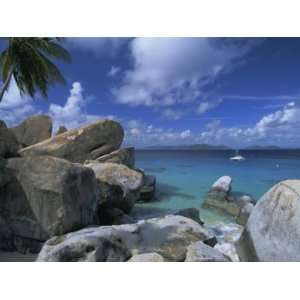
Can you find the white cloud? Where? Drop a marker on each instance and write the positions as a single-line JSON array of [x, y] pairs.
[[206, 106], [281, 127], [73, 113], [113, 71], [185, 134], [14, 108], [173, 114], [168, 71]]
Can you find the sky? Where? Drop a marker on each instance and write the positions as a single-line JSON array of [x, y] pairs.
[[176, 91]]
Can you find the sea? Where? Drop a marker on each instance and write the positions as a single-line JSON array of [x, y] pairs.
[[185, 176]]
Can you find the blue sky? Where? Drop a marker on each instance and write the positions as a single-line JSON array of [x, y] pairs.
[[168, 91]]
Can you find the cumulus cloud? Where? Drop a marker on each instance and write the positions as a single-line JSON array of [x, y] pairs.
[[173, 114], [207, 106], [14, 107], [168, 71], [185, 134], [73, 113], [281, 127]]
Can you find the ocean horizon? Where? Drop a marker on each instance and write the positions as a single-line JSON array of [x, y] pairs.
[[184, 177]]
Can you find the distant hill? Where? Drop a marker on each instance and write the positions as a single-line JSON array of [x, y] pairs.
[[258, 147], [188, 147]]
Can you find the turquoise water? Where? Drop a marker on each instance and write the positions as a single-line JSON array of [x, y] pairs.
[[184, 177]]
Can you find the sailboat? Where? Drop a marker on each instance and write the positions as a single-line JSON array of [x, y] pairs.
[[237, 157]]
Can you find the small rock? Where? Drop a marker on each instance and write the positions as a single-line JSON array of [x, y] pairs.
[[245, 213], [200, 252], [229, 250], [61, 130], [147, 257], [223, 184], [148, 189]]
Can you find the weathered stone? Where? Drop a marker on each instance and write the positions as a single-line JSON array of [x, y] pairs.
[[148, 189], [61, 130], [121, 156], [245, 213], [146, 257], [5, 175], [226, 233], [119, 186], [223, 184], [6, 236], [33, 130], [9, 145], [272, 232], [168, 236], [85, 143], [47, 196], [229, 250], [200, 252], [192, 213]]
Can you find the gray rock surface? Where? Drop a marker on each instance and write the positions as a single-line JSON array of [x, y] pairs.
[[272, 232], [6, 236], [61, 130], [85, 143], [123, 156], [33, 130], [148, 189], [9, 145], [168, 236], [47, 196], [146, 257], [223, 184], [245, 213], [200, 252], [228, 236], [119, 186]]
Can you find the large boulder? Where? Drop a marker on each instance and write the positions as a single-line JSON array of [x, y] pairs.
[[47, 196], [168, 236], [9, 145], [123, 156], [85, 143], [33, 130], [5, 175], [272, 232], [119, 186], [200, 252]]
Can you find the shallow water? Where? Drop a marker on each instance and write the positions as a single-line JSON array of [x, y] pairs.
[[184, 177]]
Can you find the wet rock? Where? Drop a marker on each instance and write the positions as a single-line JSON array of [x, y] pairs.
[[33, 130], [192, 213], [148, 189], [200, 252], [245, 213], [85, 143]]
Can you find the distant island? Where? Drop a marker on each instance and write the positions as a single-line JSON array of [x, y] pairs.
[[259, 147], [188, 147], [203, 147]]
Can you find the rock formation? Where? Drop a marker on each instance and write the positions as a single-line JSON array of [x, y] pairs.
[[33, 130], [85, 143]]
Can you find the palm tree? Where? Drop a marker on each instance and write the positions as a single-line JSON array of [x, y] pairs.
[[27, 60]]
